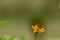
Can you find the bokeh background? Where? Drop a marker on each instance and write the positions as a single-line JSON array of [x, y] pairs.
[[19, 14]]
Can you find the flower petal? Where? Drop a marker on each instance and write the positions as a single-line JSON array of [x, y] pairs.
[[42, 30]]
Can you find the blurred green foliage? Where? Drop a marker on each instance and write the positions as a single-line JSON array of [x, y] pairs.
[[2, 37], [2, 22], [22, 37], [13, 37]]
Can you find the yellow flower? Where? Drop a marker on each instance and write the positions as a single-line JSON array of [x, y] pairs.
[[37, 29]]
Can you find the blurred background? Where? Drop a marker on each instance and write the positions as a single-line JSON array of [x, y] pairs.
[[19, 14]]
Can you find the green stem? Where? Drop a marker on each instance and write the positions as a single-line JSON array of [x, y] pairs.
[[35, 34]]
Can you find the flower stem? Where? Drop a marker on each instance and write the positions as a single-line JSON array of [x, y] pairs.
[[35, 34]]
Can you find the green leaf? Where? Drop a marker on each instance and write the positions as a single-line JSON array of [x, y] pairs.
[[2, 37]]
